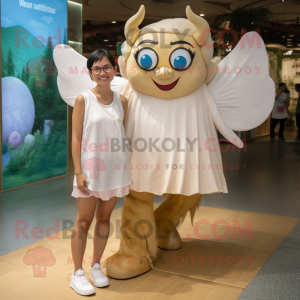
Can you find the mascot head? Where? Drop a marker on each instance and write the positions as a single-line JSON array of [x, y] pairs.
[[167, 59]]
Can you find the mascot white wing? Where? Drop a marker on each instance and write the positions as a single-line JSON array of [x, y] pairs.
[[242, 89], [73, 77]]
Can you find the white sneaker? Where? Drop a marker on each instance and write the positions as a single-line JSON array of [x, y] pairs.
[[98, 278], [80, 284]]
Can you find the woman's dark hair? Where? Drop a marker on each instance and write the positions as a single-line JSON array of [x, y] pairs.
[[281, 84], [97, 55]]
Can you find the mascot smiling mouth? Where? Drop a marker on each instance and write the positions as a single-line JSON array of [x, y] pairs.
[[166, 87]]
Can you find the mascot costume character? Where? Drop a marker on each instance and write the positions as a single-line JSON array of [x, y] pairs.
[[178, 95]]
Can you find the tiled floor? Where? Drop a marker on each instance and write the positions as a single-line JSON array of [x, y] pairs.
[[217, 266], [232, 252], [156, 284], [267, 182]]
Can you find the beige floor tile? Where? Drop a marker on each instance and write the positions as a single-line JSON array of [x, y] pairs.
[[215, 262], [240, 228]]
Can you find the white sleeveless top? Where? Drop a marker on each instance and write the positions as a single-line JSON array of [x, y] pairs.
[[104, 148]]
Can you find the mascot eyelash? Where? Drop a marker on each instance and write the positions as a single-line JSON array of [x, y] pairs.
[[136, 53], [192, 54]]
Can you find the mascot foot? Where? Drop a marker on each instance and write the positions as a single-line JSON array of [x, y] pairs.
[[172, 241], [125, 267]]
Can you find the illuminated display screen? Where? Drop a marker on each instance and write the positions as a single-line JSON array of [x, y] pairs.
[[34, 117]]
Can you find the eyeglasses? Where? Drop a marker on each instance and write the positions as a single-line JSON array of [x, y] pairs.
[[97, 70]]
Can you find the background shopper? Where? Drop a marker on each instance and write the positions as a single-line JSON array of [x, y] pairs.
[[279, 113]]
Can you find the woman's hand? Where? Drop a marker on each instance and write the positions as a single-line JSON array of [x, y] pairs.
[[82, 184], [280, 91]]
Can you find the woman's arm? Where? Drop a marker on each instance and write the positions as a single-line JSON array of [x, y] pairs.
[[77, 125], [287, 101], [125, 107]]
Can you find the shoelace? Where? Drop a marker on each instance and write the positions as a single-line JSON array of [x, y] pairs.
[[98, 272], [73, 273], [83, 280]]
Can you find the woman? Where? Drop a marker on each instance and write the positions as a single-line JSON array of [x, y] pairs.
[[279, 113], [98, 118]]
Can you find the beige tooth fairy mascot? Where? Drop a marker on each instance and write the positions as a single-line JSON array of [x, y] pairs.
[[177, 98]]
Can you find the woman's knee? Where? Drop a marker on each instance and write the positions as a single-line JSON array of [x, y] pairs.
[[103, 218], [84, 223]]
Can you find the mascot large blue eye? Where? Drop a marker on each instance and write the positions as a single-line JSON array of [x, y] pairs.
[[146, 59], [181, 58]]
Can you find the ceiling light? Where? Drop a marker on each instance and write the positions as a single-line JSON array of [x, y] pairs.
[[110, 45], [113, 21], [289, 39], [201, 15], [105, 40]]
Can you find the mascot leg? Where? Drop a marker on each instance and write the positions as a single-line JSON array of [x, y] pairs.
[[168, 216], [138, 245]]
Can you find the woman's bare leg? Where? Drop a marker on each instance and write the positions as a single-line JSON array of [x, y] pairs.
[[86, 208], [103, 213]]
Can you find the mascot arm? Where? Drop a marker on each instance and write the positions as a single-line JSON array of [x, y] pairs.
[[220, 125], [73, 77], [242, 89]]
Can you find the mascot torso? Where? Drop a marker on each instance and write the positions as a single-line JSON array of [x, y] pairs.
[[174, 144]]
